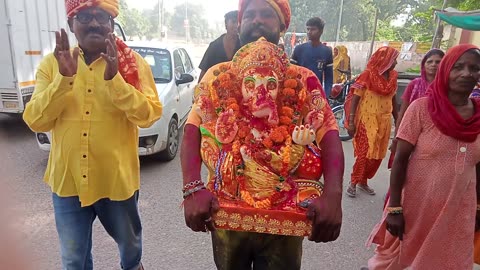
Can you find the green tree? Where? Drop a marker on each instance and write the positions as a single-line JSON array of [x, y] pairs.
[[357, 20], [152, 17], [198, 25], [132, 21], [420, 24], [464, 4], [386, 32]]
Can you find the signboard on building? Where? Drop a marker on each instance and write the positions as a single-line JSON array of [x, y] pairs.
[[396, 45], [423, 47]]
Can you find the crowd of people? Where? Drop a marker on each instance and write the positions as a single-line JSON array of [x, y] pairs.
[[264, 129]]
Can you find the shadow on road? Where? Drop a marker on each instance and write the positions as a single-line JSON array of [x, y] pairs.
[[147, 162], [13, 128]]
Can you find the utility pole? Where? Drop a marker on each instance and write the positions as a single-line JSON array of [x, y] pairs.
[[374, 35], [186, 22], [160, 18], [437, 38], [339, 26]]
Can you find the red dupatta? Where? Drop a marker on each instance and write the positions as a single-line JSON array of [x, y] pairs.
[[443, 113], [127, 64], [372, 78]]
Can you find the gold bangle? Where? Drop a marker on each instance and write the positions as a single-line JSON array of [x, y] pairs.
[[395, 210]]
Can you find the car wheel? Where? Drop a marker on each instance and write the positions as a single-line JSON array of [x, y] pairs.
[[339, 113], [173, 139]]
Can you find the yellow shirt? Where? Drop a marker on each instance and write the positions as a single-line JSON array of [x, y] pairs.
[[94, 126]]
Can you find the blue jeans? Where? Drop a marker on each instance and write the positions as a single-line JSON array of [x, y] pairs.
[[74, 226]]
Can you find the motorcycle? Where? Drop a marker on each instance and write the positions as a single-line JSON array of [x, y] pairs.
[[337, 100]]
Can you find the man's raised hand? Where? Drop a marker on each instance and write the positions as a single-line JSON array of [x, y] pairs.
[[67, 60]]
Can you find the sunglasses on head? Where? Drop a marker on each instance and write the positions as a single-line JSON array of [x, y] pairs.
[[100, 17]]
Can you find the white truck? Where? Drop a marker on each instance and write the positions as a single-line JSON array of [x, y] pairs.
[[28, 31], [27, 28]]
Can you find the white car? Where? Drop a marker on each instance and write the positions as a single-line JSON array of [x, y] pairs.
[[175, 78]]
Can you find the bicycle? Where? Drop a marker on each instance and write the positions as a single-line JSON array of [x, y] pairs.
[[337, 101]]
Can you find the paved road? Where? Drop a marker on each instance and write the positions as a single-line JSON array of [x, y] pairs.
[[168, 243]]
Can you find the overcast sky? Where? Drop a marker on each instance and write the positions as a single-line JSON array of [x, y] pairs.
[[215, 9]]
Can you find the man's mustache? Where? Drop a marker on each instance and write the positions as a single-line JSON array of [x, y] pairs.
[[94, 30], [259, 28]]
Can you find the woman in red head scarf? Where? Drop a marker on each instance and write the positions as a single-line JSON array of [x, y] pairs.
[[369, 110], [418, 87], [415, 90], [431, 215]]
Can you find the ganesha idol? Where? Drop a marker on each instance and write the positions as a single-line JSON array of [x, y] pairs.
[[259, 127]]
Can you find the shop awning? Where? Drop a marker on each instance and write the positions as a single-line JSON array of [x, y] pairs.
[[469, 20]]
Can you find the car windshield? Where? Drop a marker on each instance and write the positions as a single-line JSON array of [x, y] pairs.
[[159, 61]]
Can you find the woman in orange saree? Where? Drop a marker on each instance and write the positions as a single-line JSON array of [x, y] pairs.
[[369, 116]]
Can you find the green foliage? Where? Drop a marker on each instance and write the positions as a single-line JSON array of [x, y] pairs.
[[358, 17], [197, 23], [357, 20], [420, 24], [133, 22], [415, 69], [387, 32], [464, 4], [152, 17], [145, 24]]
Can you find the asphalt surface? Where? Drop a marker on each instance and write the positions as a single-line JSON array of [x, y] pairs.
[[168, 243]]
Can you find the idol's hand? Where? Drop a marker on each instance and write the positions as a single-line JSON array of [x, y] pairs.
[[303, 135]]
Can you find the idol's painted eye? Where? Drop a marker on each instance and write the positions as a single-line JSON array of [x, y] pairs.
[[249, 83], [272, 84]]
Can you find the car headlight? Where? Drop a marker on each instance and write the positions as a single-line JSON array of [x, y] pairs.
[[147, 141], [43, 138]]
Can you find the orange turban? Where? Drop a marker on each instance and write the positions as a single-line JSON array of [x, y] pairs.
[[282, 7], [74, 6]]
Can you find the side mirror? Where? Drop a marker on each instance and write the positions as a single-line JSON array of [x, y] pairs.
[[184, 78]]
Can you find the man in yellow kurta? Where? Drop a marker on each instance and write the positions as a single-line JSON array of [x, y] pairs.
[[92, 99]]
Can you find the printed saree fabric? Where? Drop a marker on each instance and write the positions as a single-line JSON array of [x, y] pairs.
[[260, 119]]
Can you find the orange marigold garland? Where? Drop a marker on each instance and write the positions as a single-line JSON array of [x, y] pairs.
[[286, 156], [287, 111], [291, 93], [291, 73], [285, 120], [290, 83], [214, 97]]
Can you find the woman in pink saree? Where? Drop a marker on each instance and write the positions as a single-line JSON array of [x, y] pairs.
[[431, 215]]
